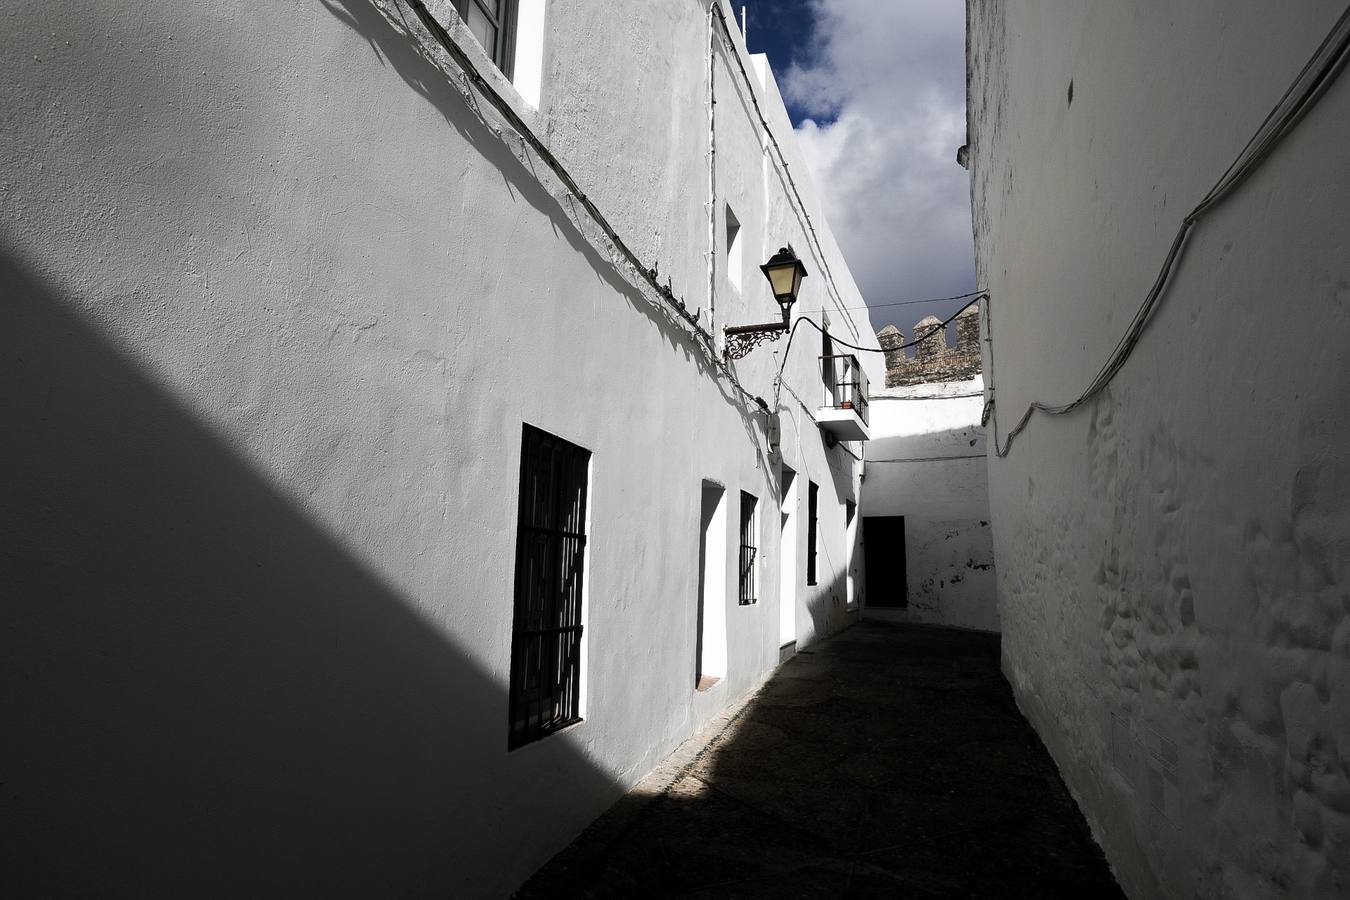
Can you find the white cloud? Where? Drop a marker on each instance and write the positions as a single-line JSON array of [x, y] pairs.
[[886, 87]]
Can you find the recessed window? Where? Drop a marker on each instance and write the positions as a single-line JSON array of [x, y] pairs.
[[711, 647], [812, 502], [734, 252], [545, 692], [787, 557], [850, 544], [493, 22], [748, 548]]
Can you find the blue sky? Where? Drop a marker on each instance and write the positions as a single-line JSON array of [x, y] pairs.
[[784, 29], [876, 90]]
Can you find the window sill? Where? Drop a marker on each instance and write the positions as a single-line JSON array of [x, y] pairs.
[[552, 732], [444, 13]]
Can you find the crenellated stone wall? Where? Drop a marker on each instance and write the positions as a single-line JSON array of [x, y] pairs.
[[934, 359]]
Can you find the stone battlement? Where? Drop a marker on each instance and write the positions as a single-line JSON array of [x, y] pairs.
[[934, 360]]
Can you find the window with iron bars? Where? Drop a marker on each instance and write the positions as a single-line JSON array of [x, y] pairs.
[[545, 691], [812, 503], [748, 549]]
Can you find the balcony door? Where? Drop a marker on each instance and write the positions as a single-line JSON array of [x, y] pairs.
[[827, 373]]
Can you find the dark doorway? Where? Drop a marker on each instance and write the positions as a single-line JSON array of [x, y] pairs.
[[884, 557]]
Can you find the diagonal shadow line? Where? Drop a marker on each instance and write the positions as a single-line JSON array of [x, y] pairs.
[[204, 693], [398, 48]]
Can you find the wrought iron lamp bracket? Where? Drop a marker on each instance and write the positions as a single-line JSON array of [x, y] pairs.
[[741, 339]]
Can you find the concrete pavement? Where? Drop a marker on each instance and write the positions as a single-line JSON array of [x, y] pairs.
[[889, 761]]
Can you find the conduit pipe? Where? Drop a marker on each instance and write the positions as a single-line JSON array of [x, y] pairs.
[[817, 249], [712, 169], [529, 138]]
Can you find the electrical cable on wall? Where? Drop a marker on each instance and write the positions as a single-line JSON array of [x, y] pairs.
[[646, 273], [541, 150], [802, 403], [712, 171], [1307, 88], [785, 169]]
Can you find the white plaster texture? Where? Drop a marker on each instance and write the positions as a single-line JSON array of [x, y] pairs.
[[926, 462], [279, 299], [1174, 561]]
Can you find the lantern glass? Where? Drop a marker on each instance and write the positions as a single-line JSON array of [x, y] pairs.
[[785, 273], [783, 280]]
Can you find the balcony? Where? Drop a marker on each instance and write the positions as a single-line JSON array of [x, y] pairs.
[[845, 411]]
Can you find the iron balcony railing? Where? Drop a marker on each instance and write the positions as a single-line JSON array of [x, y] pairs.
[[845, 383]]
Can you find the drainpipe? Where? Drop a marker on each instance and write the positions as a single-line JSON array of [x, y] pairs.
[[712, 167]]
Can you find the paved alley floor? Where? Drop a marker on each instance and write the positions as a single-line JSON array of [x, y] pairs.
[[889, 761]]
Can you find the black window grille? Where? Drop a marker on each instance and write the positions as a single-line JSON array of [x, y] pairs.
[[748, 550], [493, 22], [550, 556], [811, 501]]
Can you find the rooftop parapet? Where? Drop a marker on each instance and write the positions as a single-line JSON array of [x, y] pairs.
[[934, 359]]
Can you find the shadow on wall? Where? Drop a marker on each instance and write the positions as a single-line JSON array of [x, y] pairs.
[[937, 481], [829, 607], [828, 598], [395, 41], [964, 442], [203, 695]]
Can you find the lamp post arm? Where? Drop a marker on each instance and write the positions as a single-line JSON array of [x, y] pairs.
[[741, 339], [747, 329]]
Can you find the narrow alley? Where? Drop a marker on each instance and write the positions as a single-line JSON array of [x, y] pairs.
[[889, 761], [697, 448]]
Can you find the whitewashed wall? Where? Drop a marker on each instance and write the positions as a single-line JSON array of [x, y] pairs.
[[277, 303], [1173, 562], [926, 462]]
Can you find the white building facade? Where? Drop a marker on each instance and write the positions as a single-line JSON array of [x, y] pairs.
[[379, 491], [926, 467], [1173, 556]]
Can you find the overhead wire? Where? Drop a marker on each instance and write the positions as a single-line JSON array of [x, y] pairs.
[[913, 302], [925, 459], [1311, 83], [527, 135], [918, 340], [778, 378], [928, 397]]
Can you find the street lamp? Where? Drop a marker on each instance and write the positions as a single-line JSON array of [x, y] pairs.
[[785, 273]]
